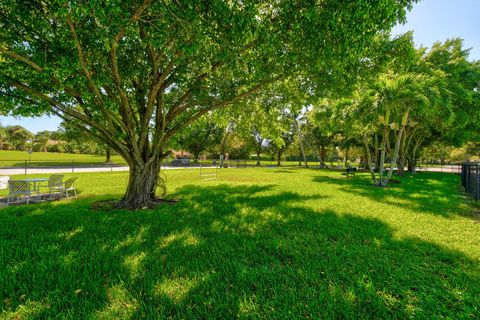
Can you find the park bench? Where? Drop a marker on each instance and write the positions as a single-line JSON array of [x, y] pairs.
[[349, 172]]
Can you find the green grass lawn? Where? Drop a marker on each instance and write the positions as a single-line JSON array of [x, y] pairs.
[[17, 158], [256, 243]]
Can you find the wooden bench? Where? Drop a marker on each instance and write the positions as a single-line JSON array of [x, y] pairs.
[[349, 172]]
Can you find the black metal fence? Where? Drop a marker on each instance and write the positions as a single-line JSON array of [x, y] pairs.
[[471, 179]]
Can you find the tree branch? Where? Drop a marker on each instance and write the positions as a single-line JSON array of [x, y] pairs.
[[39, 69], [180, 106], [217, 105], [125, 108]]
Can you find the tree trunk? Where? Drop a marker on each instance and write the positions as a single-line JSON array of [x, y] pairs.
[[302, 148], [394, 157], [196, 154], [413, 160], [401, 166], [412, 164], [322, 157], [397, 149], [279, 156], [108, 155], [258, 158], [142, 184], [345, 163], [402, 154], [382, 157], [369, 160]]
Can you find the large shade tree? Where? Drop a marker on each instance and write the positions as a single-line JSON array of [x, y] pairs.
[[133, 73]]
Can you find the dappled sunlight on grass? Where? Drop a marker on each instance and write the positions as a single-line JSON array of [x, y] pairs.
[[133, 239], [29, 309], [184, 238], [174, 289], [68, 235], [120, 304], [256, 243], [134, 262]]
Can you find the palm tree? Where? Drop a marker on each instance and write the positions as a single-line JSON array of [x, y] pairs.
[[387, 107]]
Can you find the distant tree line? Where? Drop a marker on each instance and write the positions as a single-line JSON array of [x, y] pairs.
[[63, 140]]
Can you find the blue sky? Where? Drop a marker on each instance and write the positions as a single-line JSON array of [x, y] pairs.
[[431, 21]]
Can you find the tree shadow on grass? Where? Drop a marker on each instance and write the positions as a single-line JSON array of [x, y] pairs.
[[433, 193], [224, 252]]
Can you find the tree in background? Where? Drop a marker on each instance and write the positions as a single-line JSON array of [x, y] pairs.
[[78, 142], [262, 122], [322, 130], [19, 138], [40, 142], [280, 147], [199, 136], [462, 80], [3, 137]]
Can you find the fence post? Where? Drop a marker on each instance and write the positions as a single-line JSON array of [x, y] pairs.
[[477, 194], [467, 176], [25, 166]]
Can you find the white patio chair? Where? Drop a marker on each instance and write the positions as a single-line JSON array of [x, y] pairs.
[[69, 185], [4, 182], [55, 184], [17, 188]]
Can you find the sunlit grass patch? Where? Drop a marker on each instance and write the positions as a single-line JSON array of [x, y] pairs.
[[120, 304]]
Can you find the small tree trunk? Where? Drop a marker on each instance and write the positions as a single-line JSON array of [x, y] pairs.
[[369, 160], [302, 148], [394, 158], [258, 158], [413, 160], [385, 138], [401, 167], [382, 159], [279, 156], [397, 149], [142, 184], [346, 157], [412, 164], [108, 155], [402, 156], [322, 157]]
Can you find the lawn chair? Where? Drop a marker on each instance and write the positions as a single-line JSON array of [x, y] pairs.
[[69, 185], [55, 184], [18, 188], [4, 182]]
